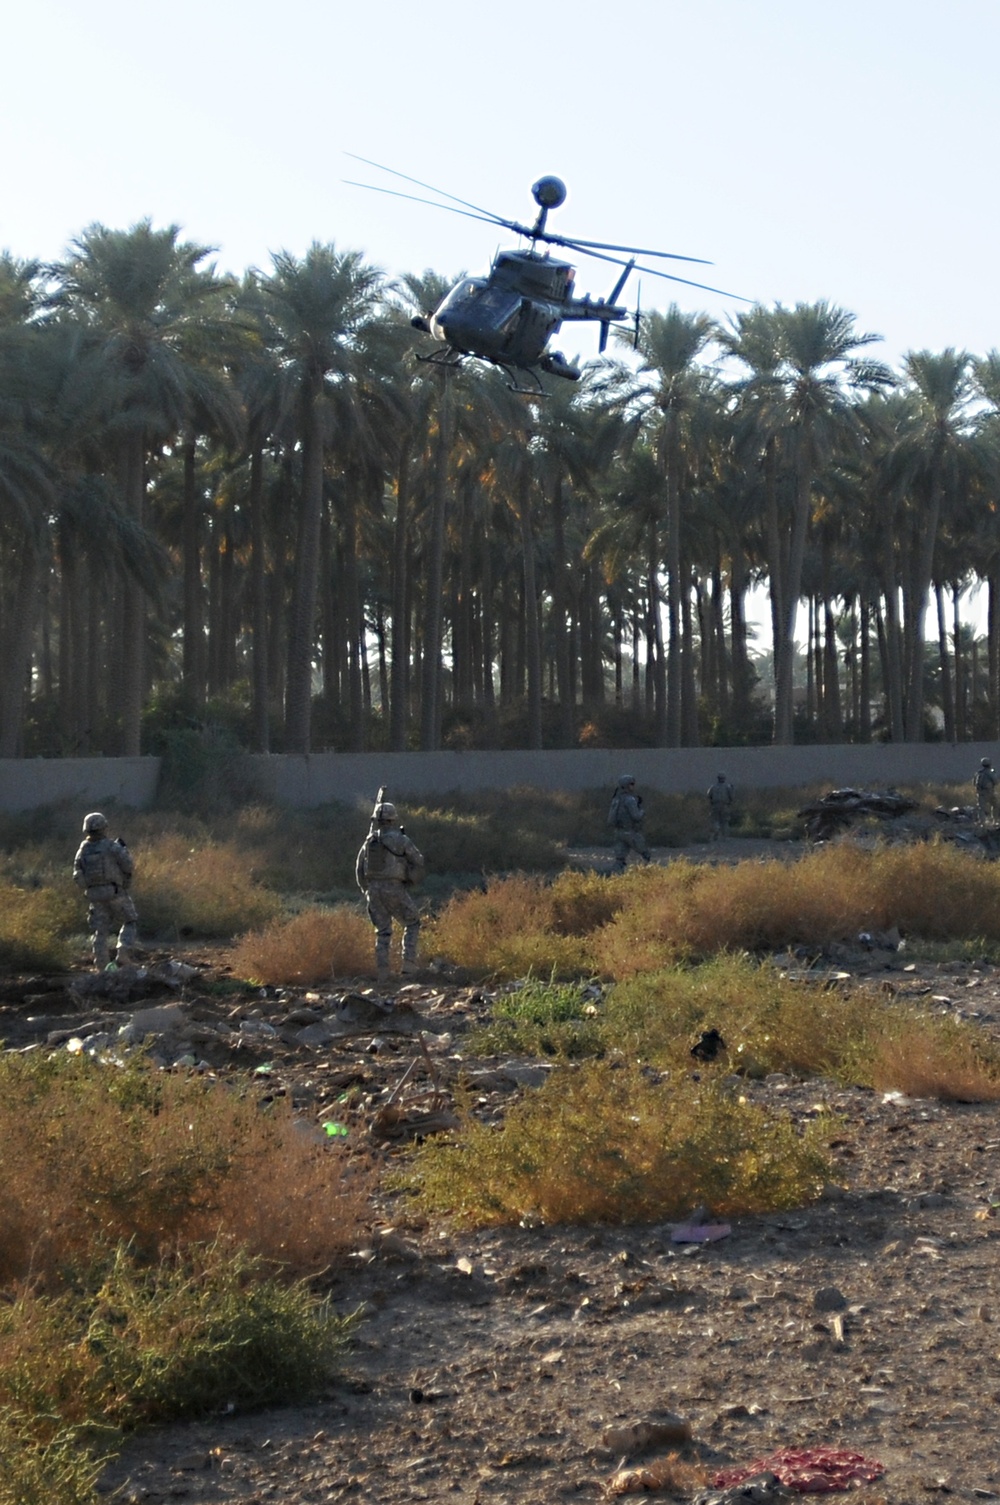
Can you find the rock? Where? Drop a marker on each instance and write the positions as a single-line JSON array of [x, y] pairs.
[[646, 1434], [829, 1299], [154, 1021]]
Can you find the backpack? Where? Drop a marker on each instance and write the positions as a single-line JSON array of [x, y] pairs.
[[97, 865], [380, 860]]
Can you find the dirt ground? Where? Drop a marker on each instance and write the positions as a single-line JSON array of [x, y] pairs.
[[487, 1366]]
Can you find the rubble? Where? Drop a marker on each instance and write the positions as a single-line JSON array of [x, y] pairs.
[[841, 808]]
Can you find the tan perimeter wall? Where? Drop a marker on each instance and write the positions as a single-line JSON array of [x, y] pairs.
[[26, 783], [353, 778]]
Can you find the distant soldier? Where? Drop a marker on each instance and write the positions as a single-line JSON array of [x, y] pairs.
[[388, 866], [985, 783], [720, 803], [626, 816], [103, 869]]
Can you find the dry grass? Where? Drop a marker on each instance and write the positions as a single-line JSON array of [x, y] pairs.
[[34, 925], [601, 1143], [90, 1157], [310, 949], [209, 889], [649, 918]]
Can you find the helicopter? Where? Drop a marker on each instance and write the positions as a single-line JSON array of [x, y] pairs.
[[508, 317]]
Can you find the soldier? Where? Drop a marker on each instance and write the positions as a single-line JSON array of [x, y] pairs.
[[626, 817], [985, 783], [720, 802], [388, 865], [103, 869]]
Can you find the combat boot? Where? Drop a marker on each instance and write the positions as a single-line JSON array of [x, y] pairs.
[[409, 966], [384, 976]]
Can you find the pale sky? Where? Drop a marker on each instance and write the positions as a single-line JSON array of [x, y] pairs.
[[837, 149]]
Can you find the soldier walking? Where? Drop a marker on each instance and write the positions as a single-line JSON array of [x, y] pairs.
[[626, 816], [103, 869], [985, 783], [387, 867], [720, 803]]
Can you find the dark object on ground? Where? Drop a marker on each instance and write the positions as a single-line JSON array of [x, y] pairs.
[[834, 812], [709, 1046]]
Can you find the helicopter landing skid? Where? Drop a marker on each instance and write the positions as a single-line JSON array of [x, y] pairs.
[[446, 358]]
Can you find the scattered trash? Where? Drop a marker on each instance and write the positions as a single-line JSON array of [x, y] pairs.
[[335, 1130], [265, 1068], [700, 1233], [817, 1471]]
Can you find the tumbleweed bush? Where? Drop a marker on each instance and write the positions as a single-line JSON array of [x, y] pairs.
[[91, 1155], [309, 949]]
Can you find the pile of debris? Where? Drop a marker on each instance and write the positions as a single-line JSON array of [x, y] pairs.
[[835, 812]]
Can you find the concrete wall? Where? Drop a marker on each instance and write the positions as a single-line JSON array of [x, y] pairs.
[[353, 778], [26, 783]]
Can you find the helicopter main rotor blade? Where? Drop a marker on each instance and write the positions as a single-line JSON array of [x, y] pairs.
[[485, 219], [574, 243], [485, 213], [667, 276]]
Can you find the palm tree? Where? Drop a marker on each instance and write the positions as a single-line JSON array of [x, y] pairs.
[[670, 344], [318, 308], [820, 375], [932, 462], [148, 311]]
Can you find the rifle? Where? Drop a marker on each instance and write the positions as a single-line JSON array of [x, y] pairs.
[[382, 791]]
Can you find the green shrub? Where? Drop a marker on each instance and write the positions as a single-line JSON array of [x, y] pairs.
[[542, 1018], [601, 1143], [127, 1344], [45, 1464]]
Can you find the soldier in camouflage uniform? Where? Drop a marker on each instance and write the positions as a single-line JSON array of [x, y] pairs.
[[103, 869], [720, 803], [388, 865], [985, 784], [626, 817]]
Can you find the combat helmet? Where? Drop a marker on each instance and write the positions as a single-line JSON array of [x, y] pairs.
[[385, 813], [94, 823]]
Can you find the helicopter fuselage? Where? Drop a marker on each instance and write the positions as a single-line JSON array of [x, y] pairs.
[[509, 316]]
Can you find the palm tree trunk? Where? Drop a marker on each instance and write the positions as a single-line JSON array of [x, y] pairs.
[[302, 623], [258, 602], [400, 673], [533, 637], [947, 689], [18, 637], [133, 639], [430, 709]]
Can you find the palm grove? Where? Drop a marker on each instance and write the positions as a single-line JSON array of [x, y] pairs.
[[245, 503]]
